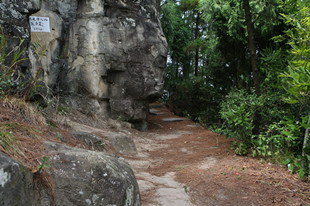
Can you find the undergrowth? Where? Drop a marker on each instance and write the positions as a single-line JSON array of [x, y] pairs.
[[22, 127], [12, 80], [9, 143], [280, 137], [22, 136]]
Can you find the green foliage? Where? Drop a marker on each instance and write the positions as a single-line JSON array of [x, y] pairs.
[[5, 84], [282, 35], [62, 110], [296, 79], [194, 98], [280, 138], [38, 49], [7, 69], [238, 110], [177, 27], [239, 148], [185, 189], [276, 136], [14, 54], [298, 164], [229, 15], [44, 164], [12, 80]]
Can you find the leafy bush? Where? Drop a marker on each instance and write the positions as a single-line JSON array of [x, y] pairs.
[[275, 135], [299, 164], [280, 138], [239, 148], [238, 110]]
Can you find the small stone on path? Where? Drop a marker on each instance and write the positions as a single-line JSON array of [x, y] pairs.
[[193, 125], [162, 113], [174, 135], [157, 112], [154, 111], [174, 119]]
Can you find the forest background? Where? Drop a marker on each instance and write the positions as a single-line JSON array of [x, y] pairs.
[[242, 68]]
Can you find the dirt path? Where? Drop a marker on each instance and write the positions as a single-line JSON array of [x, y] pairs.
[[180, 163]]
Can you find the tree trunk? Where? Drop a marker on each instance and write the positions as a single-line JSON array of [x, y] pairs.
[[197, 47], [305, 139], [186, 62], [255, 71], [251, 42], [176, 70], [305, 162]]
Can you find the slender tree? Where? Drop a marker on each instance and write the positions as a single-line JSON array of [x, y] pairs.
[[191, 6], [252, 46]]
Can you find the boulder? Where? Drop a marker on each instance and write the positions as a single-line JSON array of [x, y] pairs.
[[84, 177], [80, 177], [121, 143], [16, 183], [90, 139]]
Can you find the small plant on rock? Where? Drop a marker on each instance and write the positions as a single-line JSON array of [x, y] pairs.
[[44, 164]]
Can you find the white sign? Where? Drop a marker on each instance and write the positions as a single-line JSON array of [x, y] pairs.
[[39, 24]]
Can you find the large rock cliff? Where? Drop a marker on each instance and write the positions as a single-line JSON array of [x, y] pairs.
[[104, 56]]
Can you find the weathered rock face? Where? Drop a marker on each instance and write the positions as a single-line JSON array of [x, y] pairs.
[[84, 177], [15, 183], [103, 56], [106, 56], [61, 13]]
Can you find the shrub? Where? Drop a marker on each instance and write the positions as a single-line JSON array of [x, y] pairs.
[[238, 110]]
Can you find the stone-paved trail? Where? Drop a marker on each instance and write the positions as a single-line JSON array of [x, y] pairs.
[[180, 163]]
